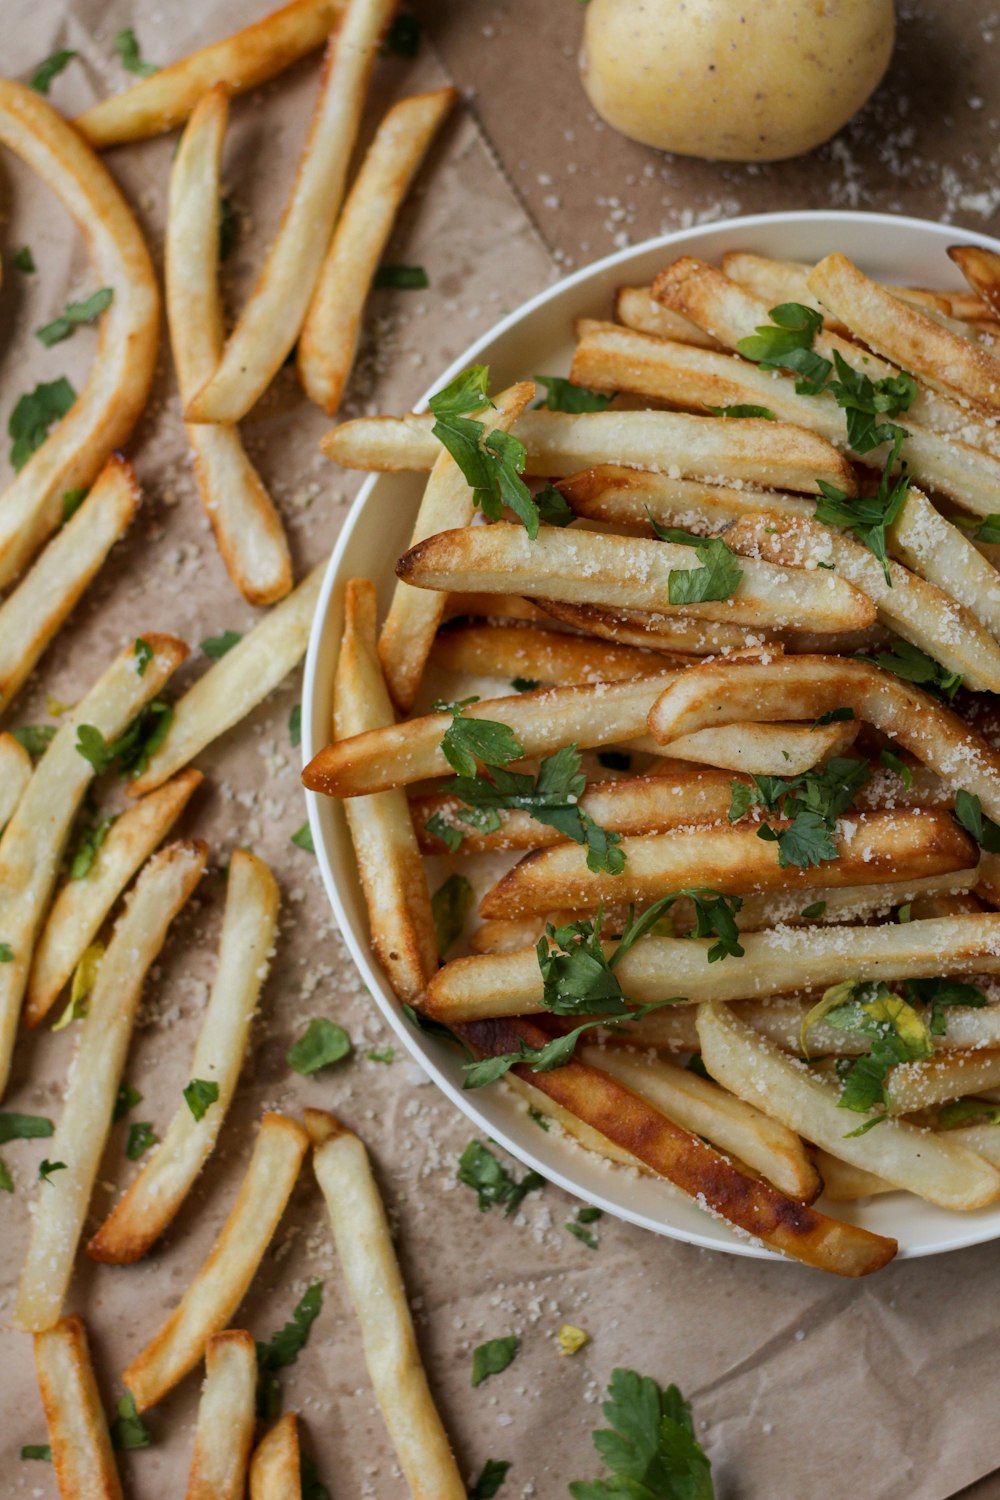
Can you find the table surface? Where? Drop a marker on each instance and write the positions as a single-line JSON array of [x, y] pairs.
[[787, 1372]]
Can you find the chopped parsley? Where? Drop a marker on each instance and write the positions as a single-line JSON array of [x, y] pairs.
[[563, 395], [84, 979], [553, 507], [813, 800], [89, 841], [525, 684], [141, 1136], [493, 1357], [480, 1170], [34, 414], [969, 814], [323, 1042], [283, 1349], [401, 278], [578, 1226], [127, 47], [143, 655], [72, 315], [898, 1032], [868, 516], [743, 410], [41, 1451], [131, 751], [786, 344], [303, 839], [295, 726], [128, 1430], [449, 835], [46, 1168], [72, 500], [41, 80], [403, 36], [938, 994], [6, 1180], [450, 905], [126, 1100], [493, 462], [468, 741], [491, 1477], [718, 576], [35, 738], [25, 261], [897, 767], [6, 953], [988, 529], [216, 646], [381, 1054], [866, 403], [649, 1447], [961, 1111], [913, 665], [15, 1127], [199, 1095]]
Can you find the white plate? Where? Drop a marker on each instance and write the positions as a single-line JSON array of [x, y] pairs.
[[540, 337]]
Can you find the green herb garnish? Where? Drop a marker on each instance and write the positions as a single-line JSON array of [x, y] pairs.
[[479, 1169], [72, 315], [127, 48], [41, 80], [786, 344], [492, 462], [813, 800], [493, 1357], [141, 1136], [199, 1094], [323, 1042], [401, 278], [450, 905], [34, 414], [650, 1448], [216, 646], [563, 395]]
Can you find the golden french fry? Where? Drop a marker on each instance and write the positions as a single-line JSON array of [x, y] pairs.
[[781, 750], [777, 281], [637, 308], [234, 686], [219, 1286], [376, 1291], [78, 1431], [668, 634], [160, 892], [32, 842], [247, 526], [103, 415], [240, 62], [701, 1106], [272, 318], [910, 338], [385, 845], [870, 847], [537, 655], [587, 714], [718, 693], [940, 552], [275, 1467], [844, 1183], [15, 773], [755, 1207], [754, 1069], [775, 962], [329, 338], [226, 1416], [945, 1076], [81, 906], [409, 629], [494, 607], [33, 613], [591, 567], [627, 499], [983, 1139], [582, 1133], [767, 454], [249, 928], [981, 268]]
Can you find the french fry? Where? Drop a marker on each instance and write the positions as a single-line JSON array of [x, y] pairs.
[[755, 1070], [780, 1020], [982, 1139], [275, 1468], [103, 415], [767, 454], [649, 632], [61, 1207], [15, 773], [494, 606], [240, 62], [755, 1207], [919, 611], [33, 613], [591, 567], [81, 906], [720, 693], [226, 1416], [758, 749], [234, 686], [936, 1080], [32, 842], [871, 847], [583, 1134], [249, 928], [844, 1183], [78, 1431], [219, 1286], [637, 308], [627, 498], [375, 1288], [928, 544], [247, 526], [945, 905], [272, 318], [981, 268], [910, 338], [329, 338], [413, 619], [774, 963], [587, 715], [701, 1106], [549, 656], [777, 281], [385, 845]]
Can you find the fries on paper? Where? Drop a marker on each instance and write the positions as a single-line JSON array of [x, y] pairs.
[[78, 1431], [226, 1416]]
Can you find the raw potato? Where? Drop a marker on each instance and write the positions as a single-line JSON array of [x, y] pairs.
[[734, 82]]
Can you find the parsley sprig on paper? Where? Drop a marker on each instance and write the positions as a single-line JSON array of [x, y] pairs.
[[813, 801], [649, 1446]]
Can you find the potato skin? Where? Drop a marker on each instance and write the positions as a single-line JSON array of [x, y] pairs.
[[734, 80]]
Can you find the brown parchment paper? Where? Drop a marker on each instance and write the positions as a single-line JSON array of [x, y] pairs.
[[800, 1385]]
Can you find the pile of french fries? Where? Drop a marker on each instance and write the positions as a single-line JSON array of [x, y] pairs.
[[856, 522]]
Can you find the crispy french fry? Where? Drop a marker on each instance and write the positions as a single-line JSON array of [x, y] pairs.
[[767, 454], [982, 1139], [591, 567], [871, 847], [537, 655], [720, 693], [946, 361], [936, 1080], [783, 750], [33, 613], [637, 308], [777, 281], [275, 1467], [583, 1134], [272, 318], [329, 338], [33, 841], [928, 544], [234, 686], [226, 1416], [649, 632], [240, 62], [103, 415], [844, 1183], [81, 906], [409, 629], [376, 1291], [628, 498], [15, 773], [701, 1106], [249, 928], [385, 845], [219, 1286], [78, 1430], [755, 1207], [754, 1069], [246, 524], [981, 268], [61, 1207], [774, 963]]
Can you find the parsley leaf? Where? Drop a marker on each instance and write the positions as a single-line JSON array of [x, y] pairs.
[[960, 1111], [467, 741], [479, 1169], [969, 814], [6, 1180], [141, 1136], [310, 1483], [563, 395], [295, 726], [898, 1032], [525, 684], [913, 665], [6, 953], [988, 529], [35, 738], [813, 800], [492, 1476], [128, 1097], [46, 1168], [450, 905], [743, 410], [283, 1349], [15, 1127], [72, 500], [868, 516], [130, 752], [865, 401], [834, 716], [216, 646], [403, 36], [199, 1095], [786, 343], [72, 315], [553, 507], [650, 1447], [128, 1430], [897, 766], [127, 48], [229, 228], [40, 1451], [143, 655], [42, 77], [303, 839], [323, 1042], [401, 278], [449, 835], [718, 576], [87, 845], [25, 261], [938, 994], [34, 414], [493, 462], [493, 1357]]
